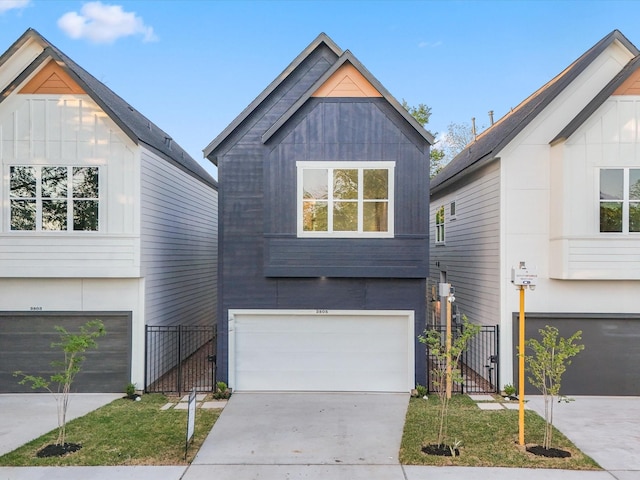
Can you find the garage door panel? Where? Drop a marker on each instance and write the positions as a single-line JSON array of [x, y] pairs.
[[353, 352], [26, 345], [608, 365]]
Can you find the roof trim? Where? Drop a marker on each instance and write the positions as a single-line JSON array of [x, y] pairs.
[[597, 101], [323, 38], [494, 139], [348, 57]]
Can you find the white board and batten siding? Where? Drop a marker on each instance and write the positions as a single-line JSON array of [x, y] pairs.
[[179, 241], [311, 350], [70, 131], [470, 254], [609, 139]]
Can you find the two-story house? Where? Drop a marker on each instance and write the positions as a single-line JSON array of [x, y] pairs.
[[554, 184], [102, 215], [323, 243]]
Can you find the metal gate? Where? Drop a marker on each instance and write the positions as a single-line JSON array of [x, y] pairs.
[[478, 362], [179, 358]]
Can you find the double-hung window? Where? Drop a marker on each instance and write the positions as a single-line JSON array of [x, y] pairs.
[[345, 199], [620, 200], [53, 198]]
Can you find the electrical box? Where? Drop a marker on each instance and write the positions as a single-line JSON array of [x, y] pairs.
[[445, 289], [524, 276]]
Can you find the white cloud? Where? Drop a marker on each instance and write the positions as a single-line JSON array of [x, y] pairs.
[[6, 5], [429, 44], [101, 23]]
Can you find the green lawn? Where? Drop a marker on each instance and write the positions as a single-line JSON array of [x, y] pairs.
[[123, 433], [489, 437]]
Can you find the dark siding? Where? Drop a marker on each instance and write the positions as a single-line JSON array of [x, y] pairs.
[[259, 252], [347, 129]]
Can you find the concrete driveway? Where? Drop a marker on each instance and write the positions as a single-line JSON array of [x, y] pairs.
[[282, 435], [605, 428]]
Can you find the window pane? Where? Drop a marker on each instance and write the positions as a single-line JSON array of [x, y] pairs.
[[315, 183], [345, 184], [375, 217], [54, 215], [23, 214], [345, 216], [634, 184], [23, 182], [54, 182], [376, 184], [85, 215], [611, 184], [611, 216], [85, 182], [315, 216], [634, 217]]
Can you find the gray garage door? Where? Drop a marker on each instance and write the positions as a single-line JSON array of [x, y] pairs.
[[25, 344], [610, 361]]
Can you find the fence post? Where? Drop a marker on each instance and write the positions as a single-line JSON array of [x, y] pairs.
[[179, 375]]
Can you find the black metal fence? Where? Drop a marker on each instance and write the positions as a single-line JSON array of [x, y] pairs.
[[179, 358], [478, 362]]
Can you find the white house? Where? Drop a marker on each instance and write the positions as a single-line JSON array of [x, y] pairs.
[[554, 184], [102, 216]]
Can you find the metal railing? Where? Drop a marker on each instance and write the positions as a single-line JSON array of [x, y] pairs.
[[478, 362], [179, 358]]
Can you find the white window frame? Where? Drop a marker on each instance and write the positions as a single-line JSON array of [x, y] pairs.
[[625, 201], [439, 230], [38, 199], [360, 166]]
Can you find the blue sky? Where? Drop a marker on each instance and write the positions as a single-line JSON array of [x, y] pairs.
[[193, 66]]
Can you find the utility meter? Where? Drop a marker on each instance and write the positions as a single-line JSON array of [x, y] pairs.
[[523, 276]]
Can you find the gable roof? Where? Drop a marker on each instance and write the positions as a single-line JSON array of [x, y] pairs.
[[489, 143], [135, 125], [342, 59], [624, 74], [323, 38], [348, 57]]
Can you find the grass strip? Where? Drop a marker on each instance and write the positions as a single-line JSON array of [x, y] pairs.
[[123, 432], [489, 437]]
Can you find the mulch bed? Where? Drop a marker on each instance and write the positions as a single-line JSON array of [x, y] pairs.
[[548, 452], [58, 450], [441, 450]]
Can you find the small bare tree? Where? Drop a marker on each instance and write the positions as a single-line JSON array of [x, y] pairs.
[[73, 346], [547, 364], [444, 357]]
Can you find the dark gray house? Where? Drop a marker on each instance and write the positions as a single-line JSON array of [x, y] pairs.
[[323, 233]]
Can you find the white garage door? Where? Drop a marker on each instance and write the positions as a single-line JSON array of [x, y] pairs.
[[321, 350]]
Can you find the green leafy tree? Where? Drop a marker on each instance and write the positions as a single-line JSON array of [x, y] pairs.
[[422, 113], [546, 366], [73, 346], [437, 347]]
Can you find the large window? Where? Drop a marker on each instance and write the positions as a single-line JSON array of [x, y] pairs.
[[53, 198], [620, 200], [440, 225], [345, 199]]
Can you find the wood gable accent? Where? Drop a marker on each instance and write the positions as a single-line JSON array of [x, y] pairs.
[[631, 86], [52, 79], [347, 81]]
